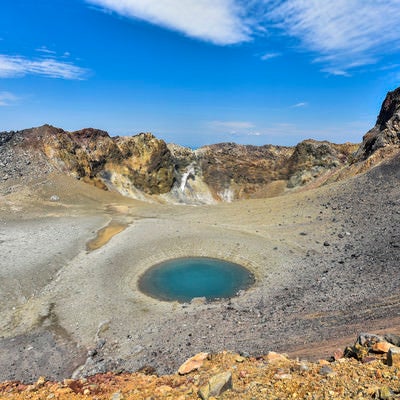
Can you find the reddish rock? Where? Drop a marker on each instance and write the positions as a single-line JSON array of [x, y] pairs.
[[338, 354], [381, 347], [192, 363]]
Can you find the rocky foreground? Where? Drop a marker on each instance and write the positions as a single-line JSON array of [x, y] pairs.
[[370, 369]]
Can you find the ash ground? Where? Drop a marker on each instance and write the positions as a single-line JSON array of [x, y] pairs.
[[326, 263]]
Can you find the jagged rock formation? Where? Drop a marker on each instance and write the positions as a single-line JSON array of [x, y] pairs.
[[141, 163], [386, 131], [233, 171], [311, 159], [143, 166]]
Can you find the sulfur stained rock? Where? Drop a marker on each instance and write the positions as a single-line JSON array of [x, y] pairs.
[[138, 162], [273, 357], [385, 393], [216, 386], [357, 351], [40, 382]]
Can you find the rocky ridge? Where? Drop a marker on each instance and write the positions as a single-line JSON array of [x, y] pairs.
[[145, 167]]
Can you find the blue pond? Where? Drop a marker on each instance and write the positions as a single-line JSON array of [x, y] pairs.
[[183, 279]]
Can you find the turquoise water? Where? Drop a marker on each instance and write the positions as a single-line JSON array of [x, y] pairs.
[[185, 278]]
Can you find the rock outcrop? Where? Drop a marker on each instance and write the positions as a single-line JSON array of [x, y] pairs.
[[311, 159], [386, 131], [126, 164], [141, 166]]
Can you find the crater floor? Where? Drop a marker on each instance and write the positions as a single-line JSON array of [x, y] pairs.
[[325, 261]]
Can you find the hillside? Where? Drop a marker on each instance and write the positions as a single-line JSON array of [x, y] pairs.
[[146, 168]]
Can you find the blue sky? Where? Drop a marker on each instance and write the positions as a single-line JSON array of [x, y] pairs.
[[196, 72]]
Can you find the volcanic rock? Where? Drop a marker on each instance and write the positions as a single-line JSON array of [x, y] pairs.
[[393, 357], [386, 131], [192, 363], [142, 165], [216, 386]]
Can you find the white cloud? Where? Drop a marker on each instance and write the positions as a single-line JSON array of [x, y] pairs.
[[344, 33], [221, 22], [17, 66], [336, 72], [300, 105], [7, 99], [269, 56], [45, 50]]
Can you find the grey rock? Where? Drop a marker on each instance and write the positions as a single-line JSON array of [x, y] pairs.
[[367, 339], [326, 370], [216, 385], [393, 357], [392, 338], [117, 396]]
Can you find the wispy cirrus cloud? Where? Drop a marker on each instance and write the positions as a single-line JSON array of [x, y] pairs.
[[269, 56], [221, 22], [300, 105], [45, 50], [344, 34], [7, 99], [19, 66]]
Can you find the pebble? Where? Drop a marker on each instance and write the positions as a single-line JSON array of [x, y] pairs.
[[117, 396], [326, 371]]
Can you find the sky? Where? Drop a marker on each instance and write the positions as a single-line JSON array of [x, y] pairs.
[[196, 72]]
